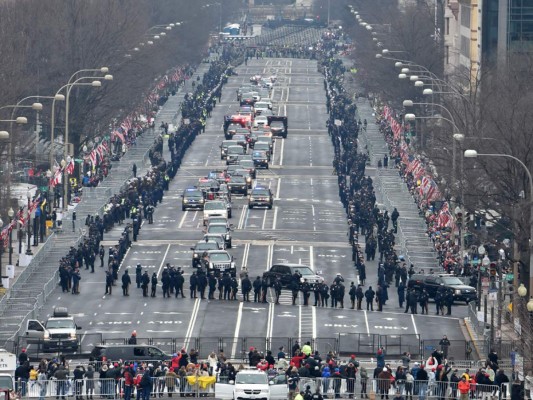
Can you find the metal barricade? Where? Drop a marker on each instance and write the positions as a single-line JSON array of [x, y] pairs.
[[112, 388]]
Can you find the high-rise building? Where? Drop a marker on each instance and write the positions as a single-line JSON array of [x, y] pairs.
[[486, 32]]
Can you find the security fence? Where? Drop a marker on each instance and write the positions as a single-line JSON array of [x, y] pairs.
[[460, 352], [111, 388], [423, 390], [206, 386]]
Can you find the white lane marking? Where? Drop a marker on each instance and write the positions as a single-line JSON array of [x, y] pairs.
[[270, 320], [366, 321], [292, 249], [270, 256], [245, 256], [118, 313], [414, 324], [241, 218], [313, 209], [192, 322], [264, 220], [278, 188], [275, 218], [237, 329], [163, 260], [313, 313], [183, 219], [311, 259], [281, 151], [300, 323]]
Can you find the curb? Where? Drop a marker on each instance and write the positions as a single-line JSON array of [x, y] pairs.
[[473, 337]]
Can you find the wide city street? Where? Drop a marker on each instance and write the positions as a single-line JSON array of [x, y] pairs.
[[307, 225]]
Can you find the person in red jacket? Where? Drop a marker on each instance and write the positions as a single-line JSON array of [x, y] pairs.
[[297, 359], [128, 382]]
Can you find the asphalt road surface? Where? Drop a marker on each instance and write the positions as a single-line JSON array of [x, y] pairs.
[[306, 225]]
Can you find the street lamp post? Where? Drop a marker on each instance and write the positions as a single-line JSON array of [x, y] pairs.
[[28, 249], [10, 214], [474, 154]]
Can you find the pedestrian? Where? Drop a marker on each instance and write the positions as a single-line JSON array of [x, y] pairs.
[[144, 283], [257, 289], [277, 289], [369, 296], [154, 284], [193, 285], [444, 346], [108, 283], [138, 275], [133, 338], [401, 294], [352, 292], [464, 388], [126, 282], [134, 170], [246, 287]]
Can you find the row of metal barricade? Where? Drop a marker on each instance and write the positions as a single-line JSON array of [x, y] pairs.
[[205, 386]]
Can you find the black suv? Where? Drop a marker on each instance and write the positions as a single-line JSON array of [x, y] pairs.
[[285, 273], [432, 283], [192, 198], [260, 196]]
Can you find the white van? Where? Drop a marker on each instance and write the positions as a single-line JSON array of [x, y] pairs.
[[253, 384]]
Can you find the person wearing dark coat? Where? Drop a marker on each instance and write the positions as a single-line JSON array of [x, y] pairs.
[[369, 295], [500, 380], [154, 285], [126, 282], [351, 292], [144, 283], [246, 287], [257, 289], [108, 282], [138, 276], [401, 294]]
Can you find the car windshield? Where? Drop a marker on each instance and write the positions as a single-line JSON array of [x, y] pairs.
[[246, 164], [260, 192], [251, 379], [276, 124], [218, 220], [237, 179], [60, 324], [219, 257], [259, 154], [239, 137], [451, 280], [304, 270], [194, 193], [217, 229], [235, 150], [206, 246], [261, 145], [214, 205], [214, 237]]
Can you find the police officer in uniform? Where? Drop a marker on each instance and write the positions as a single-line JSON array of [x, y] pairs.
[[246, 287], [306, 289], [257, 289], [277, 289], [144, 283], [150, 213]]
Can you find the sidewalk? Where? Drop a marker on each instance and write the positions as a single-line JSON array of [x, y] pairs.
[[412, 241], [34, 283]]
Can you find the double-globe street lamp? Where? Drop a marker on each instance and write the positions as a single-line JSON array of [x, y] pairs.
[[474, 154]]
